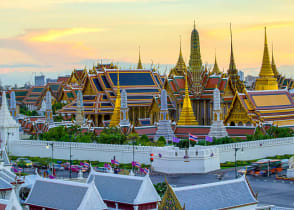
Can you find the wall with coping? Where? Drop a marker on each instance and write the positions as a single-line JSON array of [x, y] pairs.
[[172, 160], [256, 149], [124, 153]]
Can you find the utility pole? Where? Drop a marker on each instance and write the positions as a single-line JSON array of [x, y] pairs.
[[70, 160], [236, 149]]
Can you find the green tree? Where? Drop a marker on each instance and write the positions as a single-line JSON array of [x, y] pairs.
[[161, 141], [160, 188]]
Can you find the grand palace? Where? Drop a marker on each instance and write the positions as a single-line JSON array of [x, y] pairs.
[[190, 95]]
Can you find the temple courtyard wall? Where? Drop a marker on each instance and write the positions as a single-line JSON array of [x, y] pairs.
[[198, 158]]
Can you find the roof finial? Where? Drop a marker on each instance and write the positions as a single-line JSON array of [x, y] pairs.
[[180, 45], [194, 25], [139, 66]]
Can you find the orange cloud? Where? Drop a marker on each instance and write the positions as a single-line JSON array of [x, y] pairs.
[[53, 34]]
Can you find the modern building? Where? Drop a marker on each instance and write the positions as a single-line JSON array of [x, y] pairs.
[[39, 80]]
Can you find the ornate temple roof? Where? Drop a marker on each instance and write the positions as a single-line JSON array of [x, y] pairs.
[[124, 189], [33, 95], [267, 106], [228, 194], [100, 89]]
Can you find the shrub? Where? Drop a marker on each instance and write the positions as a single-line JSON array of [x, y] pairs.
[[161, 141]]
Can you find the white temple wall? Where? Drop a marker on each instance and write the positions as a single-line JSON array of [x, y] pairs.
[[124, 153], [256, 149]]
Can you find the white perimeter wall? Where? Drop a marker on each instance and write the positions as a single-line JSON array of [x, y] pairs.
[[124, 153], [80, 151], [256, 149]]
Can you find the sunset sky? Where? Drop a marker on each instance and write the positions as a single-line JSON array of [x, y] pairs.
[[55, 36]]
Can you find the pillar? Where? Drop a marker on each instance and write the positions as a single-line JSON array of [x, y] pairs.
[[96, 119]]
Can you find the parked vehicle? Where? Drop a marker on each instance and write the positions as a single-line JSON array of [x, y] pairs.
[[285, 163], [58, 167], [75, 168], [39, 165], [246, 169], [85, 169], [102, 169], [24, 162], [266, 166], [66, 165]]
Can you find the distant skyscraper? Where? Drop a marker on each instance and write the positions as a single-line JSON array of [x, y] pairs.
[[40, 80], [241, 75]]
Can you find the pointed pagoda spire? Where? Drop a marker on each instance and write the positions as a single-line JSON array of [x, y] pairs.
[[266, 69], [181, 66], [266, 80], [139, 66], [215, 69], [232, 67], [195, 62], [115, 118], [187, 116], [274, 67]]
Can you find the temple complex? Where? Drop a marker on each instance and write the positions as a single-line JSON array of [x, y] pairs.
[[190, 105]]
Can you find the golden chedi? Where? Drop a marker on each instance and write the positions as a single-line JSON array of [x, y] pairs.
[[187, 115], [266, 80]]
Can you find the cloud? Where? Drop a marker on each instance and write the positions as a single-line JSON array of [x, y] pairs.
[[44, 4], [45, 50], [54, 34], [23, 65]]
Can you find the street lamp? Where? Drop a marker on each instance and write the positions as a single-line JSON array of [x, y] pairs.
[[236, 149], [47, 147]]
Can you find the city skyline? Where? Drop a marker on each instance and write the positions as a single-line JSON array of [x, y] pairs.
[[53, 37]]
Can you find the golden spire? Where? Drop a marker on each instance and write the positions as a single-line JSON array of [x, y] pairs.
[[115, 118], [180, 67], [215, 69], [274, 67], [187, 115], [266, 80], [139, 66], [266, 69], [232, 67]]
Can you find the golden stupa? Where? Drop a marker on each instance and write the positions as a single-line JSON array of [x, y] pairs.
[[266, 80], [187, 116]]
